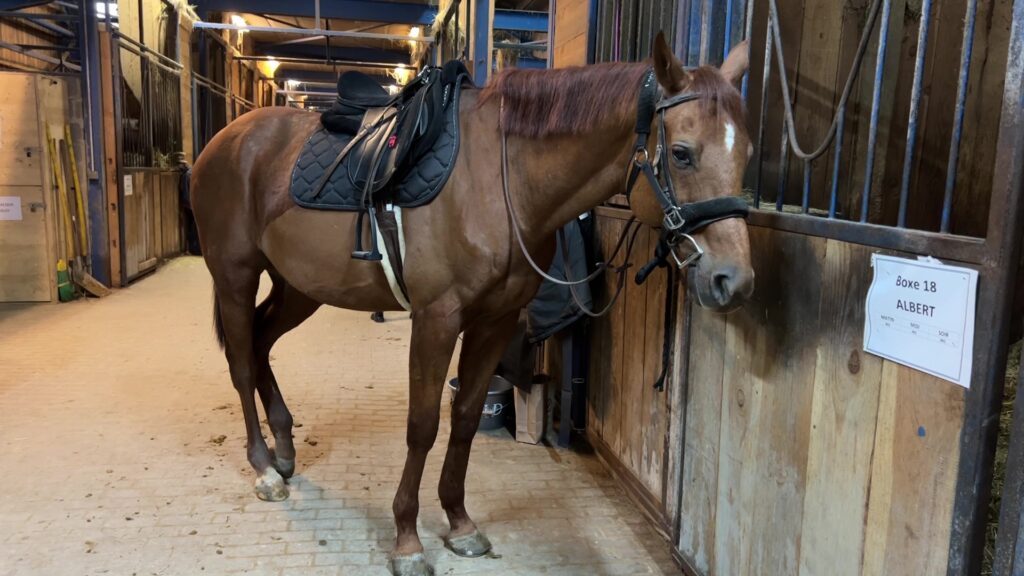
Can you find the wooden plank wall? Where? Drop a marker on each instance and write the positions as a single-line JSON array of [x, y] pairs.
[[804, 455], [627, 418], [152, 225], [572, 19], [820, 39]]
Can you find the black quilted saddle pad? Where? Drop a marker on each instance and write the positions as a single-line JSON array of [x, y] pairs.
[[413, 185]]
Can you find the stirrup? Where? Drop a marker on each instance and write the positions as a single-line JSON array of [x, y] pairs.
[[373, 254]]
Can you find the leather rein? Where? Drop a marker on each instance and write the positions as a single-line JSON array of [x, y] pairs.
[[680, 219]]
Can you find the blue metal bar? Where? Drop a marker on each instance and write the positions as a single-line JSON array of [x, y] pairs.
[[805, 205], [780, 197], [521, 20], [727, 41], [748, 29], [480, 38], [353, 53], [834, 195], [958, 115], [694, 38], [362, 10], [915, 110], [883, 42], [96, 198], [766, 77]]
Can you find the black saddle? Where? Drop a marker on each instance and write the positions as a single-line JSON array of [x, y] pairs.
[[376, 149]]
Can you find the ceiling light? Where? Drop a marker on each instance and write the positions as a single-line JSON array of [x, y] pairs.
[[268, 67], [237, 20]]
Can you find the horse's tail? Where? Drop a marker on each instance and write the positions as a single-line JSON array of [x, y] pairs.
[[218, 323]]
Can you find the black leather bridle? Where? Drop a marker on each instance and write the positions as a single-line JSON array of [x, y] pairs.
[[680, 219]]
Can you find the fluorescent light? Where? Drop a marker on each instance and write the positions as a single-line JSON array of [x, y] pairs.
[[237, 20]]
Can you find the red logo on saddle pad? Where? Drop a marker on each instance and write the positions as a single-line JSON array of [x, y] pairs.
[[393, 141]]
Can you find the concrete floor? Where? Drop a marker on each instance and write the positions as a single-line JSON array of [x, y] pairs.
[[124, 453]]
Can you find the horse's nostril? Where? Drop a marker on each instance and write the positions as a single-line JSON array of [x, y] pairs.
[[722, 285]]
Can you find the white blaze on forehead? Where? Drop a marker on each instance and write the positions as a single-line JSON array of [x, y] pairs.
[[730, 136]]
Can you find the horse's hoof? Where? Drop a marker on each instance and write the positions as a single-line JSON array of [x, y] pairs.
[[471, 545], [270, 486], [285, 466], [412, 565]]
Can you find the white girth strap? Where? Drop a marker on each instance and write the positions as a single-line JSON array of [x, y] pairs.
[[385, 263]]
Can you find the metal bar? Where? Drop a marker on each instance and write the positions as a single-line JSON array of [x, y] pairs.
[[981, 414], [727, 41], [958, 114], [883, 41], [145, 51], [40, 56], [780, 196], [805, 204], [551, 33], [316, 12], [764, 112], [915, 110], [522, 20], [331, 94], [312, 32], [944, 246], [483, 11], [410, 13], [333, 61], [99, 245], [834, 194], [747, 35], [43, 16], [42, 24]]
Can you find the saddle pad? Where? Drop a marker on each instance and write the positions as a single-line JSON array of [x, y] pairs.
[[414, 185]]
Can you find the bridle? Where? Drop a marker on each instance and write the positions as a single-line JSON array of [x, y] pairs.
[[680, 219]]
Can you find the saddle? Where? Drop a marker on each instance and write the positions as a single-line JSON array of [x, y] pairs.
[[375, 150]]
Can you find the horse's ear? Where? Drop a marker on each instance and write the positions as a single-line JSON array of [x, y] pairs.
[[667, 67], [736, 63]]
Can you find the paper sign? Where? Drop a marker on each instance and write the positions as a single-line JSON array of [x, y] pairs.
[[128, 187], [10, 208], [920, 313]]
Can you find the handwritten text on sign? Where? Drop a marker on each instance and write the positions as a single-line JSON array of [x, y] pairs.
[[10, 208], [920, 313]]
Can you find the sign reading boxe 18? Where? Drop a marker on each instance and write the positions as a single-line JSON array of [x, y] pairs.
[[920, 313]]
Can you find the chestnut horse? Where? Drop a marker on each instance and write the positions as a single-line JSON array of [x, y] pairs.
[[570, 141]]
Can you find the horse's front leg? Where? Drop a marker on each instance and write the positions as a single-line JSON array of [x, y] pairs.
[[434, 333], [482, 348]]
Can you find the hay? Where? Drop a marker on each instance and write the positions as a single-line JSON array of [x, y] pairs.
[[1002, 448]]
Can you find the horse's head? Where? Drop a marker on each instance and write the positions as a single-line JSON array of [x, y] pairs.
[[706, 152]]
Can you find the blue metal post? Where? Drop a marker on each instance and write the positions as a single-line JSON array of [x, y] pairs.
[[958, 115], [883, 41], [915, 110], [766, 77], [483, 12], [748, 29], [835, 165], [99, 246]]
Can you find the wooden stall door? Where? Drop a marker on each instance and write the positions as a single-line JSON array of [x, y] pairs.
[[26, 265], [804, 455]]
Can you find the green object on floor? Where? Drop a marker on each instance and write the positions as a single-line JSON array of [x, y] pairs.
[[65, 291]]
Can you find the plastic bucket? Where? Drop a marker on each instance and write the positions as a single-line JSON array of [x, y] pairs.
[[497, 405]]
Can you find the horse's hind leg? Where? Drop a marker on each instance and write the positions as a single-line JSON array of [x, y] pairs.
[[482, 347], [284, 309], [236, 285]]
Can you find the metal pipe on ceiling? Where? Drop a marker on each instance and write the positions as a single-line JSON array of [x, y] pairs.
[[320, 61], [312, 32]]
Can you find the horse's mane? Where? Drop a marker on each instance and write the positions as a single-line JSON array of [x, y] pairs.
[[540, 103]]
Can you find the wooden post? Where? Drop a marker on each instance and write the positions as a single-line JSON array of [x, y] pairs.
[[110, 157]]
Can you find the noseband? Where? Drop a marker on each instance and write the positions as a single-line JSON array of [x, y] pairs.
[[680, 220]]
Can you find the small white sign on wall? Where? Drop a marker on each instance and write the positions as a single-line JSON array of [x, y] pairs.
[[920, 313], [10, 208], [129, 188]]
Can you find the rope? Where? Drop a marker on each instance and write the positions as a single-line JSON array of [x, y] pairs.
[[847, 90]]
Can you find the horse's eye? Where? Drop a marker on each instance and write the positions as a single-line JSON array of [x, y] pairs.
[[683, 157]]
